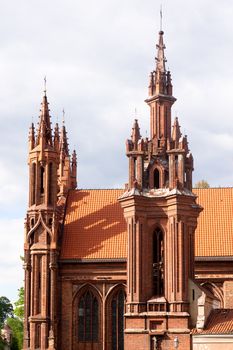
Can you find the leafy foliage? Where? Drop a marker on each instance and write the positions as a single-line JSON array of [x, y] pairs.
[[17, 328], [19, 304], [14, 319], [2, 344], [202, 184], [6, 310]]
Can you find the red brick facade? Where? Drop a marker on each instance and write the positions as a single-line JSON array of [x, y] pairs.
[[111, 269]]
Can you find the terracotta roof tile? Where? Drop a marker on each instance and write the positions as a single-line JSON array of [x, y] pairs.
[[95, 227], [214, 233], [220, 321]]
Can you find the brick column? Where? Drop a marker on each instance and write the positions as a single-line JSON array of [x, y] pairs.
[[27, 280]]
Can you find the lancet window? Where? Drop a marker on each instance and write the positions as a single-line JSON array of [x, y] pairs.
[[158, 262], [117, 308], [88, 318]]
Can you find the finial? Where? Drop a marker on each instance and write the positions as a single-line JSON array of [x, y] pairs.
[[45, 87], [135, 112], [161, 18], [63, 116]]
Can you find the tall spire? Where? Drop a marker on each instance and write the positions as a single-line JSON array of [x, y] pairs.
[[44, 129], [160, 59]]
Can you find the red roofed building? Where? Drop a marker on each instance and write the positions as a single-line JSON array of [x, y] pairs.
[[143, 267]]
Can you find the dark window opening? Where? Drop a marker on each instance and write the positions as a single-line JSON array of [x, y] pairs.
[[88, 318], [50, 182], [156, 179], [193, 294], [117, 308], [33, 183], [42, 173], [176, 166], [158, 263]]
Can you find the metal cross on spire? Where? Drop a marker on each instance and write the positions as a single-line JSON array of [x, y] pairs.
[[45, 87], [63, 116], [161, 18]]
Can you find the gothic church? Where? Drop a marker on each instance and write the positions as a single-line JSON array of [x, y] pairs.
[[135, 268]]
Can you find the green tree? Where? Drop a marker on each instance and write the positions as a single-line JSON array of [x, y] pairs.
[[202, 184], [16, 322], [17, 328], [19, 304], [2, 344], [6, 310]]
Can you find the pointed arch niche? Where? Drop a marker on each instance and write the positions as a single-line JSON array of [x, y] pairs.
[[87, 316], [115, 318], [157, 177], [158, 262]]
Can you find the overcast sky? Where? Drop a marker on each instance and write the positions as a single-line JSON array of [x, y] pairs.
[[97, 56]]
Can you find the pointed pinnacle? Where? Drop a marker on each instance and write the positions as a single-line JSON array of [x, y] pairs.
[[44, 128], [176, 134], [160, 59], [64, 149], [135, 132]]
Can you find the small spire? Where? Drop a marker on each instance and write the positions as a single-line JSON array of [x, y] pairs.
[[74, 170], [160, 59], [64, 149], [176, 134], [56, 139], [74, 158], [31, 136], [135, 132]]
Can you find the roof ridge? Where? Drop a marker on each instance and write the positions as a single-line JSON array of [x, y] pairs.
[[98, 189], [212, 188]]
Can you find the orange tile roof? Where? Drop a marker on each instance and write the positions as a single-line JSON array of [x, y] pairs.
[[95, 227], [214, 233], [220, 321]]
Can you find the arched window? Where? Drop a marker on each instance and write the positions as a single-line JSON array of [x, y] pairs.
[[50, 182], [42, 180], [117, 308], [33, 183], [156, 179], [88, 318], [158, 262]]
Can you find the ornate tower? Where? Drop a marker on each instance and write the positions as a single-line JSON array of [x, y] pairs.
[[42, 228], [161, 214]]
